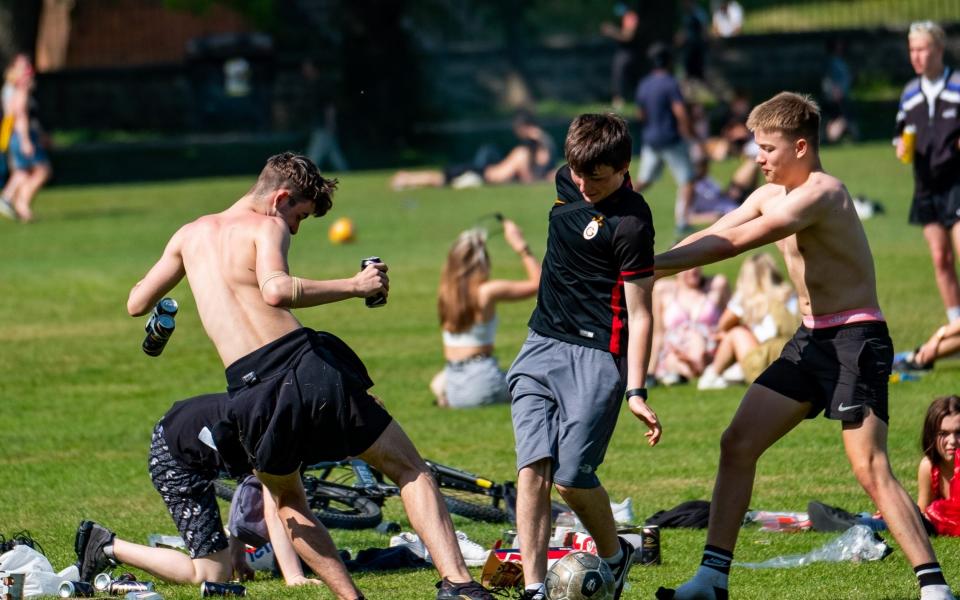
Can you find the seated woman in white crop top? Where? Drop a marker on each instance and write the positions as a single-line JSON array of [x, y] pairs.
[[467, 309]]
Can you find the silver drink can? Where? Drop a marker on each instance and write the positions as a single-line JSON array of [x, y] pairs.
[[379, 299], [76, 589]]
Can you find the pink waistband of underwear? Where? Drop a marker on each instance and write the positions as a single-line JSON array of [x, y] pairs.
[[857, 315]]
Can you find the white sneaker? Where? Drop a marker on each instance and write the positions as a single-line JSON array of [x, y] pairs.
[[411, 541], [6, 209], [734, 374], [623, 512], [474, 554], [470, 179], [710, 380]]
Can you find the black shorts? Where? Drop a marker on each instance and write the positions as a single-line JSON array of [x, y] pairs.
[[942, 208], [189, 496], [840, 370], [303, 399]]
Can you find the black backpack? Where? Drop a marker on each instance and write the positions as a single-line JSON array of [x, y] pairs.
[[693, 513]]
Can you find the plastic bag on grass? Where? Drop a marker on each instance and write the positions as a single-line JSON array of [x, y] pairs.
[[40, 578], [857, 544]]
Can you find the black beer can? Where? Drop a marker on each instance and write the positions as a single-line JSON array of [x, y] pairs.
[[167, 306], [210, 588], [381, 298], [650, 548], [121, 587], [76, 589], [159, 329]]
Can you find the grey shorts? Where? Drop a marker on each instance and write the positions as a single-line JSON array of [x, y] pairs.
[[566, 400], [677, 158], [475, 382]]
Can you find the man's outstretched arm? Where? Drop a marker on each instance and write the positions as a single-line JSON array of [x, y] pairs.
[[279, 288], [730, 237], [160, 279]]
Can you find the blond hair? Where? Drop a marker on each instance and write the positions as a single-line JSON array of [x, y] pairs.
[[467, 266], [928, 28], [795, 115], [761, 287]]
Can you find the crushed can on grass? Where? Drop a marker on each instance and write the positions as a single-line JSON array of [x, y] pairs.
[[76, 589], [211, 588]]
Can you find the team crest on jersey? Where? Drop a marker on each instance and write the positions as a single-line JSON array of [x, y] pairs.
[[590, 231]]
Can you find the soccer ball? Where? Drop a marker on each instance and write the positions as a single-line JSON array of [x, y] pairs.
[[341, 231], [580, 576]]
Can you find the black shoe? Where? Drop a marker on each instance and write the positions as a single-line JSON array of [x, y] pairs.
[[620, 571], [533, 595], [471, 590], [89, 544], [824, 517]]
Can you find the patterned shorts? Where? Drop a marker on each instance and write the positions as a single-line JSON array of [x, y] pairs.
[[189, 497]]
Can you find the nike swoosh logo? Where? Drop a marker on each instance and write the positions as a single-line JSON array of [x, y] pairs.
[[843, 408], [712, 562]]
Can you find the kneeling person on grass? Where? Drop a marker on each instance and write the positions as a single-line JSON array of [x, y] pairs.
[[191, 445], [839, 360], [589, 341], [297, 396]]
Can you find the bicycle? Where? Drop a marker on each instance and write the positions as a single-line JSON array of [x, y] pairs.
[[350, 494]]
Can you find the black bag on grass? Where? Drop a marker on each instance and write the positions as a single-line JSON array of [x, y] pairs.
[[693, 514]]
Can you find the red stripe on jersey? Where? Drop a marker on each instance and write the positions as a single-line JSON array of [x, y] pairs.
[[640, 272], [617, 325]]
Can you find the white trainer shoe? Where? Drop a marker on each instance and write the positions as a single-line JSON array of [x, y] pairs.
[[474, 554], [711, 380], [411, 541]]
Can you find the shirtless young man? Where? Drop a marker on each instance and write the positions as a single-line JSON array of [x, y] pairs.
[[838, 361], [297, 396]]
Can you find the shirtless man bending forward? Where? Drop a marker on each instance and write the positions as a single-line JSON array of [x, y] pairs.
[[297, 396], [839, 360]]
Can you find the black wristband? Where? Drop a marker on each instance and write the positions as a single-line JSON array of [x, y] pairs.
[[642, 392], [525, 251]]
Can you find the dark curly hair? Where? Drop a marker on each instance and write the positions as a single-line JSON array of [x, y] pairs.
[[301, 177]]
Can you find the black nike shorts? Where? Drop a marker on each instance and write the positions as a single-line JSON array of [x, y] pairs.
[[942, 208], [840, 370]]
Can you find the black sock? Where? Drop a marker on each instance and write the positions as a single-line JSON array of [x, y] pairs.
[[719, 559], [929, 574]]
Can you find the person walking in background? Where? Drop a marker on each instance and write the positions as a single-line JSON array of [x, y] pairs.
[[836, 85], [624, 66], [467, 309], [928, 135], [588, 346], [28, 159], [666, 132], [691, 39]]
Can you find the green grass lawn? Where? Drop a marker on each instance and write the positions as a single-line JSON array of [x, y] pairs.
[[78, 399]]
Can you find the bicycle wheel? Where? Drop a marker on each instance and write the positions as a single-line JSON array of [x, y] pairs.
[[339, 508], [474, 506], [224, 488]]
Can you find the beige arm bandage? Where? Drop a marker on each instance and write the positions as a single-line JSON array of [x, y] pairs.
[[271, 275], [296, 293]]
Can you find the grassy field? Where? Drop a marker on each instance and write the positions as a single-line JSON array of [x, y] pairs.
[[78, 398]]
